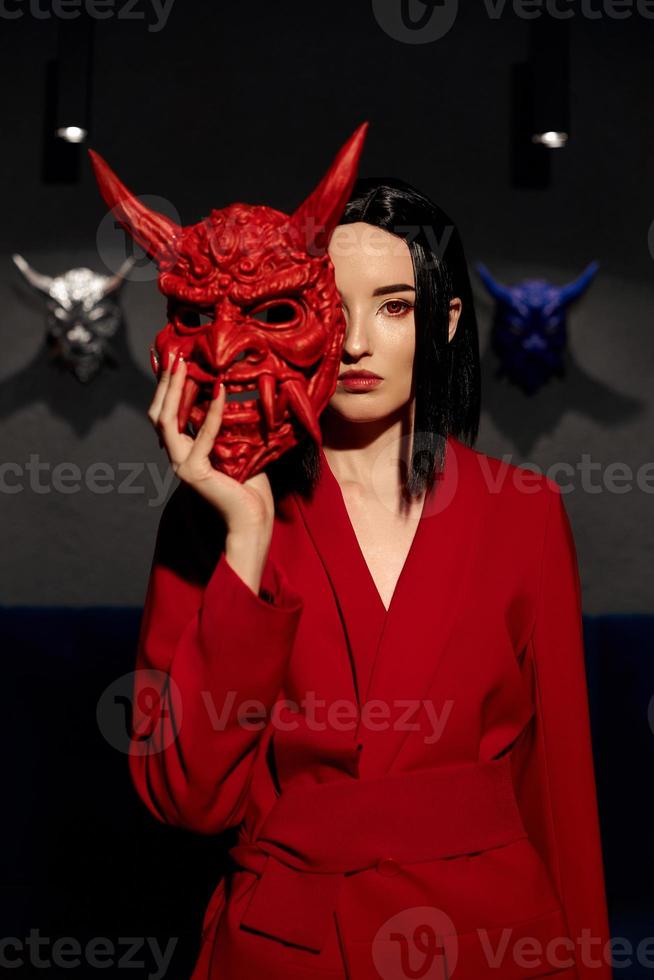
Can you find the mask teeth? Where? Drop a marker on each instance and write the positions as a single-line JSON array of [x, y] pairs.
[[189, 394], [302, 407], [266, 384], [196, 416]]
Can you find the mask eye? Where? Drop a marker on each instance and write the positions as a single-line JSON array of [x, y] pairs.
[[97, 313], [276, 313], [191, 316], [106, 326], [515, 324]]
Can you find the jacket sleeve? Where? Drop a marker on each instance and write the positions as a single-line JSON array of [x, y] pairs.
[[557, 792], [210, 662]]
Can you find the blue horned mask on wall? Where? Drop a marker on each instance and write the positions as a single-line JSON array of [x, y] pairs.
[[529, 330]]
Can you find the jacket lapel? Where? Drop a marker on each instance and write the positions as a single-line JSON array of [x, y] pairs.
[[429, 598], [394, 655], [359, 604]]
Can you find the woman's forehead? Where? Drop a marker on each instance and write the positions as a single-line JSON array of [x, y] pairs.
[[370, 255]]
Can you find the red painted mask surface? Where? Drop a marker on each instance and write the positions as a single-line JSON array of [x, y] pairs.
[[252, 302]]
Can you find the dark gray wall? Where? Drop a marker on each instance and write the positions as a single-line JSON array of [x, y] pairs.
[[250, 102]]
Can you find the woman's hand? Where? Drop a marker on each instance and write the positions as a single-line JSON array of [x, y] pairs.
[[247, 508]]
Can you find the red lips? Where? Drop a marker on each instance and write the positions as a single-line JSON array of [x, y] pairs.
[[357, 374], [359, 380]]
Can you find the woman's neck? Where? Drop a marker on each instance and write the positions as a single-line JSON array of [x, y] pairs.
[[373, 456]]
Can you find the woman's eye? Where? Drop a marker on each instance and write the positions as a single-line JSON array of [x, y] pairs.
[[397, 307]]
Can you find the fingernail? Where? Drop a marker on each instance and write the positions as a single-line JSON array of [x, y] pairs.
[[177, 359], [154, 360]]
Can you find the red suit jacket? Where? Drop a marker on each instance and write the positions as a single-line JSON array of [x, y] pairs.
[[414, 788]]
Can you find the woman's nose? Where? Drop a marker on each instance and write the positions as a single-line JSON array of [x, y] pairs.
[[357, 337]]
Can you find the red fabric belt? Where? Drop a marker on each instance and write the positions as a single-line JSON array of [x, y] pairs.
[[317, 834]]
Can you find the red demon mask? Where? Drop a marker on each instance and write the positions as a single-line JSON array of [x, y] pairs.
[[252, 302]]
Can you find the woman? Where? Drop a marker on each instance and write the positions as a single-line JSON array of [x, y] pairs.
[[370, 660]]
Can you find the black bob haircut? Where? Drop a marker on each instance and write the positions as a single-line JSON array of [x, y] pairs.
[[447, 376]]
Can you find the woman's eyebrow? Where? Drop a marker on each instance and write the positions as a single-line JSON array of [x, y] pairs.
[[397, 288]]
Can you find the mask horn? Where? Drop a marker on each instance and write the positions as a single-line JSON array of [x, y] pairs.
[[500, 293], [41, 283], [573, 290], [153, 231], [115, 282], [317, 216]]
